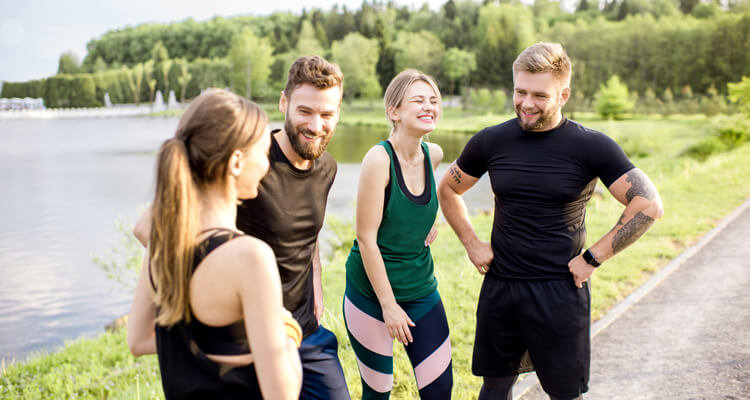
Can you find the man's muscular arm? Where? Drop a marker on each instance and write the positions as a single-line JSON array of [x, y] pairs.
[[642, 208], [454, 183]]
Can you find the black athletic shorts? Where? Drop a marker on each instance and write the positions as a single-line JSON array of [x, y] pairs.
[[546, 323]]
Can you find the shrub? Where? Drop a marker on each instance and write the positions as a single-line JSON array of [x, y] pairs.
[[613, 99], [705, 148]]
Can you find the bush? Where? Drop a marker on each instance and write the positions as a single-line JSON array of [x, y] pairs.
[[705, 148], [613, 99], [498, 101], [70, 91], [34, 89], [733, 136]]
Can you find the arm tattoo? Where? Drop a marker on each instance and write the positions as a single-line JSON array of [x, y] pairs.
[[631, 231], [456, 175], [639, 185]]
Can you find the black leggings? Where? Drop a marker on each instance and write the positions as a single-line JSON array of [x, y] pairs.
[[500, 388]]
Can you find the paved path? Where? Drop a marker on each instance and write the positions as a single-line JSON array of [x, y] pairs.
[[685, 334]]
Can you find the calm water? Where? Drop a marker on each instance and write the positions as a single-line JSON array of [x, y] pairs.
[[66, 182]]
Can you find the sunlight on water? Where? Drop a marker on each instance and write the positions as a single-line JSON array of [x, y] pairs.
[[66, 182]]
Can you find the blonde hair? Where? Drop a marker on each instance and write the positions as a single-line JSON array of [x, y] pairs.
[[314, 70], [544, 57], [396, 90], [214, 126]]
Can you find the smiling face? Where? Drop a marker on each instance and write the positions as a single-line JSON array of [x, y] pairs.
[[419, 109], [310, 118], [538, 99]]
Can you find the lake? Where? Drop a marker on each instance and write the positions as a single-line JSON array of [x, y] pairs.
[[65, 183]]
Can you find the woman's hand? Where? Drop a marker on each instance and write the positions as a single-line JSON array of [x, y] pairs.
[[431, 236], [397, 322]]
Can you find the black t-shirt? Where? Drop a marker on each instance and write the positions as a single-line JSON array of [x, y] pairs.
[[542, 182], [288, 215]]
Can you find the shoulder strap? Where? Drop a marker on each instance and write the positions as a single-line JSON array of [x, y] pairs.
[[211, 243]]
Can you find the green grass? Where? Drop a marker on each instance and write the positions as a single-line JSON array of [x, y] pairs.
[[696, 196]]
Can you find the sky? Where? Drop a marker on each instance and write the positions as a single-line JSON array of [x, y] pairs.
[[33, 33]]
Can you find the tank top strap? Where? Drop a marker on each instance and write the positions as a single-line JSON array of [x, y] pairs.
[[212, 242], [428, 164], [204, 247], [389, 149]]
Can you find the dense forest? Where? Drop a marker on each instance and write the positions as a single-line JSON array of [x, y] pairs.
[[661, 50]]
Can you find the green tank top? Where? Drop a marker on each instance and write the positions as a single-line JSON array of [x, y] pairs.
[[401, 235]]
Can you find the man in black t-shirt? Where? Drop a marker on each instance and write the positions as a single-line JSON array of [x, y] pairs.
[[290, 207], [533, 311]]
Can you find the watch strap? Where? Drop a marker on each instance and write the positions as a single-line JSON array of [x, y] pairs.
[[590, 259]]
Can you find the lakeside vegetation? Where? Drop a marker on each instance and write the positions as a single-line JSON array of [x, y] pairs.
[[674, 55], [666, 66], [696, 192]]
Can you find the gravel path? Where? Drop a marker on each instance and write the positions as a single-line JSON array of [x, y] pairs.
[[685, 334]]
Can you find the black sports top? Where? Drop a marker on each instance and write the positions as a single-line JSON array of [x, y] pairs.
[[186, 372], [542, 182]]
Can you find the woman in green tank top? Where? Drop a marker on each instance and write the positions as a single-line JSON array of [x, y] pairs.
[[391, 290]]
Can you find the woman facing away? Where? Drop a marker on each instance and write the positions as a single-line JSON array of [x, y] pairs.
[[391, 290], [208, 300]]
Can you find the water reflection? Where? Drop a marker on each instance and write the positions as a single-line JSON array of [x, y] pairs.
[[66, 182]]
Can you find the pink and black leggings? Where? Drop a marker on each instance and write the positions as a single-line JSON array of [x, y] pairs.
[[429, 353]]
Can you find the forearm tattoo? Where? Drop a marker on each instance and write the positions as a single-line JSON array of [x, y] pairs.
[[630, 231], [455, 174], [639, 186]]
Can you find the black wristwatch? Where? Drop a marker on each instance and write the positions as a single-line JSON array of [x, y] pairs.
[[590, 259]]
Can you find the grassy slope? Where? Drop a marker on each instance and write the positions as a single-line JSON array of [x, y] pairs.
[[696, 195]]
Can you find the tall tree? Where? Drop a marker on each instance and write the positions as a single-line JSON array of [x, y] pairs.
[[251, 60], [458, 65], [69, 63], [357, 56], [422, 50], [502, 33], [308, 43], [135, 77]]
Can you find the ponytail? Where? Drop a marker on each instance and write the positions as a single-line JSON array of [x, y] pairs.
[[215, 125], [174, 228]]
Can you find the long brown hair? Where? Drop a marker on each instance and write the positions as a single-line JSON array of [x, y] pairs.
[[211, 129]]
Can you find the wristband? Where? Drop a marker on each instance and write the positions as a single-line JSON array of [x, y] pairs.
[[590, 259], [292, 328]]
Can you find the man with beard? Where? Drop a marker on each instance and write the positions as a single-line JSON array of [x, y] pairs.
[[289, 210], [534, 304]]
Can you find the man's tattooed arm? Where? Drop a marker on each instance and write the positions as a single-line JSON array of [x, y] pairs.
[[630, 231], [455, 174], [626, 233], [639, 185]]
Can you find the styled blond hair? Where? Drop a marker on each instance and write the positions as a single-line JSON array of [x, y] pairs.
[[396, 90], [544, 57], [214, 126]]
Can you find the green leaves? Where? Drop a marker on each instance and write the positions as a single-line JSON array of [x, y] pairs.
[[613, 99]]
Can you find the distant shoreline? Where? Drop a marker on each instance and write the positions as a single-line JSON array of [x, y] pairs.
[[93, 112]]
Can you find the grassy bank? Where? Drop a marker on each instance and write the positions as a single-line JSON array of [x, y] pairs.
[[696, 196]]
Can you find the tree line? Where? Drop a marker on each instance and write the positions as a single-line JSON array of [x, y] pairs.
[[657, 48]]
